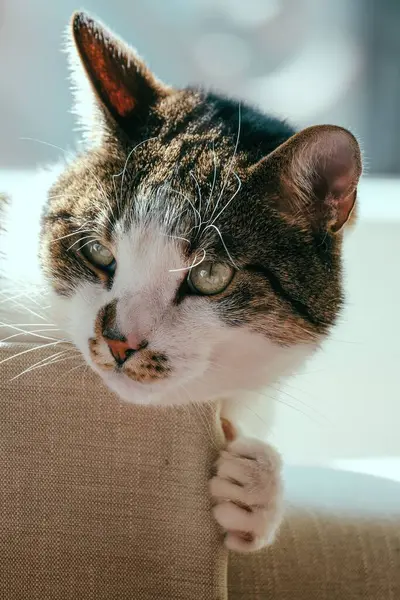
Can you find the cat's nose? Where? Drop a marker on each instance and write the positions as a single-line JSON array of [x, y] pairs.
[[120, 349]]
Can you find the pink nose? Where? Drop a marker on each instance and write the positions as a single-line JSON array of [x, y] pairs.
[[134, 342], [120, 349]]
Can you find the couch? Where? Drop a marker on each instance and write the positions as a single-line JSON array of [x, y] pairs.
[[102, 500]]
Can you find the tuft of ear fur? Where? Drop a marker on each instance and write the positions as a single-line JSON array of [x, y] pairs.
[[312, 178], [111, 84]]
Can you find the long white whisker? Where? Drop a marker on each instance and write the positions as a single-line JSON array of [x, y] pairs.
[[233, 197], [315, 410], [103, 212], [198, 189], [194, 264], [196, 212], [176, 237], [10, 337], [217, 368], [12, 298], [24, 331], [29, 310], [76, 232], [29, 139], [32, 298], [46, 364], [23, 287], [46, 359], [28, 325], [215, 175], [85, 237], [223, 243], [39, 347], [34, 333], [87, 243]]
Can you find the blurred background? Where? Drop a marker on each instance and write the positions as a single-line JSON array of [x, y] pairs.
[[312, 61]]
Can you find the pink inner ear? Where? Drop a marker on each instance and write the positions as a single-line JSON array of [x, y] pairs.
[[344, 207], [343, 183], [118, 96]]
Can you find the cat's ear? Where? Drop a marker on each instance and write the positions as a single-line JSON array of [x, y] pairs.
[[313, 177], [124, 88]]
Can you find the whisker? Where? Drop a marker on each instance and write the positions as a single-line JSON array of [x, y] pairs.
[[31, 296], [34, 333], [231, 161], [10, 337], [285, 403], [316, 411], [76, 232], [176, 237], [255, 413], [223, 243], [29, 310], [233, 197], [103, 212], [274, 399], [29, 139], [12, 298], [215, 175], [196, 212], [35, 349], [194, 264], [49, 358], [24, 331], [198, 189], [85, 237], [45, 362], [87, 243]]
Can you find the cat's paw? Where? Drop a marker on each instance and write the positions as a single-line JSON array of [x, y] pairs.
[[247, 494]]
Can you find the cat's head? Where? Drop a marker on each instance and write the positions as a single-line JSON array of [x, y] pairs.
[[194, 248]]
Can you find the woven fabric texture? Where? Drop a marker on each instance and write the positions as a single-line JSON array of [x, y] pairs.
[[101, 500]]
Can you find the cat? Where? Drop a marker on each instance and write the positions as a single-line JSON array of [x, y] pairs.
[[192, 250]]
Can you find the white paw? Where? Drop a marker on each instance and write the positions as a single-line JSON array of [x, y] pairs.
[[247, 494]]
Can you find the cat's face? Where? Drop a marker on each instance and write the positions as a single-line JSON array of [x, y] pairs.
[[194, 249]]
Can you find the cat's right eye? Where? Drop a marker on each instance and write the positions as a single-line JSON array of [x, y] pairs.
[[98, 255], [210, 278]]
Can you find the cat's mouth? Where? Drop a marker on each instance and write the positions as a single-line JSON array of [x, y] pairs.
[[145, 365]]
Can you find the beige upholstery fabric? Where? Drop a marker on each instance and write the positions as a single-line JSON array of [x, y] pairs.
[[106, 501], [322, 557], [98, 499]]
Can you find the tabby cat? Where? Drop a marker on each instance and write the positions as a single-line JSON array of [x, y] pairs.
[[193, 252]]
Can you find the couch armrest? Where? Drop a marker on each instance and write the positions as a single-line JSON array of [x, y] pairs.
[[101, 499], [340, 541]]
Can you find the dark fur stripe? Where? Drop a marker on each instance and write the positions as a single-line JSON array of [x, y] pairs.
[[297, 305]]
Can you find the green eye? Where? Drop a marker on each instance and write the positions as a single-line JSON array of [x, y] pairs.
[[97, 254], [210, 278]]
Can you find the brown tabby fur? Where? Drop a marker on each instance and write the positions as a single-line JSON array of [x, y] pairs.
[[190, 150]]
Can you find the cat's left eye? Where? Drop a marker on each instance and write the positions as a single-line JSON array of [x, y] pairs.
[[210, 278], [98, 255]]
